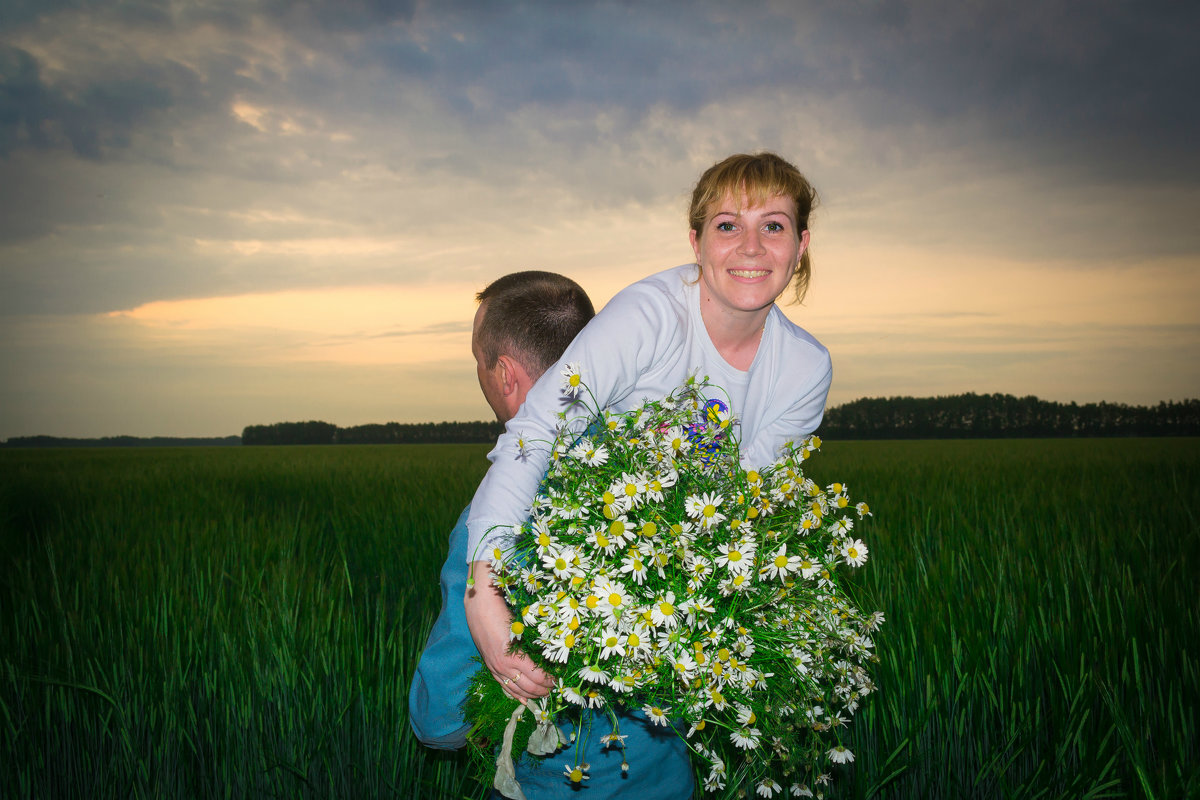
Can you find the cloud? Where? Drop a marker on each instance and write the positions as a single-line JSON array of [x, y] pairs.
[[209, 150]]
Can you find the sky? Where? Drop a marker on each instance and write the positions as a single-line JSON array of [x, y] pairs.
[[219, 213]]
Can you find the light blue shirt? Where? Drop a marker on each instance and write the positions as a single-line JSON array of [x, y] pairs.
[[658, 759]]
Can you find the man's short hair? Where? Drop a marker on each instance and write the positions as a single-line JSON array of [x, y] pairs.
[[531, 316]]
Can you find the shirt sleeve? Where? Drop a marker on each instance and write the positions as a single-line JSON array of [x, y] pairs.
[[799, 370], [636, 330], [796, 422]]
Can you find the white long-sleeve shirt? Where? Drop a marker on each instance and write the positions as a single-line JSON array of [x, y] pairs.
[[642, 345]]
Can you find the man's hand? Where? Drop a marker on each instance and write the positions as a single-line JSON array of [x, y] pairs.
[[489, 621]]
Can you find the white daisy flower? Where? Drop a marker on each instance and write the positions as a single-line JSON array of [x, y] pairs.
[[685, 667], [523, 447], [598, 538], [656, 715], [735, 557], [638, 641], [572, 382], [768, 788], [571, 694], [577, 774], [855, 553], [620, 531], [609, 738], [705, 509], [654, 489], [589, 453], [611, 643], [840, 755], [739, 582], [781, 564], [634, 565], [614, 600], [563, 562], [746, 738], [593, 674], [696, 609], [676, 441], [663, 612], [595, 699]]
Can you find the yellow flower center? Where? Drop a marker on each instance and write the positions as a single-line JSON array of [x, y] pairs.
[[576, 775], [560, 564], [569, 641], [780, 562], [667, 609], [709, 510], [634, 640], [518, 627], [734, 555], [614, 599]]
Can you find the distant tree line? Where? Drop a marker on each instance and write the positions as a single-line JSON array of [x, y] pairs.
[[314, 432], [997, 416], [958, 416], [963, 416], [122, 441]]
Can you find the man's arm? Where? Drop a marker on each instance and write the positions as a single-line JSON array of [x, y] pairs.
[[490, 623]]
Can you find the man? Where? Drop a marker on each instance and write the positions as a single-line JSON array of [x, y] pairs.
[[524, 322]]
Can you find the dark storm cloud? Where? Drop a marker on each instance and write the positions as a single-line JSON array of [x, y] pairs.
[[92, 116], [1098, 78], [549, 97]]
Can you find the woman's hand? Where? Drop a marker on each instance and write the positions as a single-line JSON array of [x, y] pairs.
[[489, 621]]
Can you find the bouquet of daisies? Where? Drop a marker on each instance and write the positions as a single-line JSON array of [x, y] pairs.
[[657, 575]]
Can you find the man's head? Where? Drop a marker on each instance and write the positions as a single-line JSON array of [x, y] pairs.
[[524, 323]]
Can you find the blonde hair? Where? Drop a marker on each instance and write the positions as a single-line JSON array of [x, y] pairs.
[[758, 177]]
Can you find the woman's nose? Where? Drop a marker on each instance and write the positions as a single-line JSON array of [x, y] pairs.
[[751, 242]]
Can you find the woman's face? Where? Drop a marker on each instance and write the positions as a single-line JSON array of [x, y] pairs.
[[748, 254]]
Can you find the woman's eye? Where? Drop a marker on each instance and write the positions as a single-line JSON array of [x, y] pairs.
[[774, 227], [724, 226]]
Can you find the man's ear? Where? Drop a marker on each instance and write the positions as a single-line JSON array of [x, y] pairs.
[[515, 381]]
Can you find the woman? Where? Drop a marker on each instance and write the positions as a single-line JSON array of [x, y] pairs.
[[717, 318]]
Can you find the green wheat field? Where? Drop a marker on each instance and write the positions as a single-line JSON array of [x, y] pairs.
[[243, 622]]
